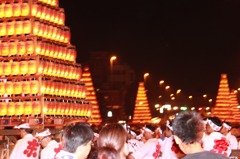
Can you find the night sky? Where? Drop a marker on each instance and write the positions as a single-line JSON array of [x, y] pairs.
[[187, 43]]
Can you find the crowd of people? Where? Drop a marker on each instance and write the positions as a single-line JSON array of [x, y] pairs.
[[188, 136]]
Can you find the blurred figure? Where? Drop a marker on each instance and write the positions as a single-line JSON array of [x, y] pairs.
[[133, 143], [188, 130], [77, 140], [50, 147], [151, 148], [113, 140], [213, 140], [225, 130], [27, 147]]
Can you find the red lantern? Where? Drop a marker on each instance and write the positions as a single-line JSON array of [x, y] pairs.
[[1, 11], [34, 85], [36, 28], [17, 9], [3, 31], [18, 27], [10, 28], [5, 48], [27, 27], [26, 87], [32, 67], [36, 106], [29, 47], [25, 9], [21, 47], [12, 48], [7, 68], [8, 10]]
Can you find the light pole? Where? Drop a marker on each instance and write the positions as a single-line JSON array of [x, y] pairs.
[[145, 76], [111, 62]]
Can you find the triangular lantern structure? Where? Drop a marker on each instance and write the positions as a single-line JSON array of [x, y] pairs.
[[223, 108], [142, 112], [235, 106], [91, 97]]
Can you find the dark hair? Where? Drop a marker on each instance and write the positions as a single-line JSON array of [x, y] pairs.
[[188, 126], [75, 135], [151, 127], [108, 153], [29, 131]]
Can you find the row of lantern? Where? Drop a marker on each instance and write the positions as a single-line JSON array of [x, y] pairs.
[[49, 108], [32, 27], [53, 15], [47, 87], [50, 2], [53, 3], [28, 47], [31, 67]]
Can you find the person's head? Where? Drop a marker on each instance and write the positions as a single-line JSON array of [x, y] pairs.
[[188, 128], [214, 124], [114, 136], [77, 139], [169, 129], [44, 137], [24, 129], [149, 131], [226, 127], [108, 153]]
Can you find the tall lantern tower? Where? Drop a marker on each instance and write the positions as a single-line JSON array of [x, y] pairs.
[[223, 108], [235, 106], [91, 97], [142, 112], [39, 77]]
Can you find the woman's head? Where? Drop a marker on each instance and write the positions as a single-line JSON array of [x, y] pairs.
[[113, 136]]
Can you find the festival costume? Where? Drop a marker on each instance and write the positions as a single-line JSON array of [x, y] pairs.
[[218, 143], [134, 145], [26, 148], [65, 155], [51, 150], [204, 155], [233, 141], [169, 148], [149, 150]]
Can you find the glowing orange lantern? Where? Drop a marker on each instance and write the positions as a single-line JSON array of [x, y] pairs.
[[15, 68], [2, 88], [5, 48], [25, 9], [18, 27], [8, 12], [67, 35], [23, 66], [34, 85], [19, 108], [47, 49], [79, 73], [54, 107], [32, 67], [3, 108], [29, 47], [1, 11], [21, 47], [1, 68], [36, 106], [34, 10], [26, 87], [12, 48], [17, 87], [10, 28], [46, 108], [27, 108], [3, 30], [47, 11], [36, 28], [16, 9], [65, 108], [27, 27], [61, 17], [7, 68], [11, 108]]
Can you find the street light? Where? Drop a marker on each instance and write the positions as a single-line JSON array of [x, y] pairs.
[[111, 62]]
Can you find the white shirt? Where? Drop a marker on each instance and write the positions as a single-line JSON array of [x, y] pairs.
[[215, 142], [134, 145], [233, 141], [26, 148], [166, 148], [65, 155], [149, 150], [50, 151]]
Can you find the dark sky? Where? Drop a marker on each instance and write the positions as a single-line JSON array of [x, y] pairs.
[[188, 43]]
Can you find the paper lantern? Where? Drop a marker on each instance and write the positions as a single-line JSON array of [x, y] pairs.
[[36, 106], [2, 88], [10, 28], [3, 108], [27, 27], [32, 67], [27, 108], [34, 86], [10, 108], [21, 47], [19, 108], [23, 66], [4, 48], [25, 9], [15, 68], [1, 68], [1, 11], [29, 47], [13, 48], [7, 68], [17, 87], [18, 27], [3, 30], [8, 10], [26, 87], [16, 9]]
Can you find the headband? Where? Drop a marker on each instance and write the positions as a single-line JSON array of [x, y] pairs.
[[213, 126], [169, 126], [22, 126], [43, 134], [227, 126]]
